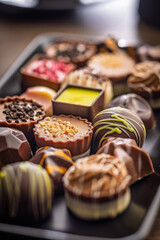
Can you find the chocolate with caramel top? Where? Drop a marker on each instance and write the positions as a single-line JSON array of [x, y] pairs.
[[99, 176]]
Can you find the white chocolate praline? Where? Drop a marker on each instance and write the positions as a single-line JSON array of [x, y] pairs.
[[92, 210]]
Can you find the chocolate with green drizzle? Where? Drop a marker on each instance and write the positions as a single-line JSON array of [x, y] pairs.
[[117, 122], [25, 192]]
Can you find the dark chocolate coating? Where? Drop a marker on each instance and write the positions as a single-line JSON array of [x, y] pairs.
[[117, 122], [14, 146], [137, 161], [25, 192], [55, 161], [138, 105]]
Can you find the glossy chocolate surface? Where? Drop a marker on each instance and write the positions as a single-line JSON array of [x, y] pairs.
[[137, 160], [55, 161], [138, 105], [117, 122], [14, 146]]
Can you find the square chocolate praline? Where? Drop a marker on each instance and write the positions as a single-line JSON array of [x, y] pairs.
[[29, 78], [62, 107]]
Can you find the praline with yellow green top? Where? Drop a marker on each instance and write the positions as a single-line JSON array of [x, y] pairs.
[[117, 122]]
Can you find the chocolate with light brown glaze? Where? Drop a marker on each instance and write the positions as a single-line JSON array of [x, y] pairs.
[[97, 178], [70, 132], [14, 146], [55, 161], [77, 52], [21, 114], [145, 81], [137, 161], [138, 105], [29, 78]]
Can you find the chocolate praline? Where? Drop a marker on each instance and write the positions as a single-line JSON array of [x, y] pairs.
[[138, 105], [97, 187], [14, 146], [26, 192], [137, 161], [117, 122], [20, 113], [55, 161]]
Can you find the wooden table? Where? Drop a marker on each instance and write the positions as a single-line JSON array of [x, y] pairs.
[[118, 17]]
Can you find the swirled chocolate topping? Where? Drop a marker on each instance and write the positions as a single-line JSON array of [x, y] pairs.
[[145, 75], [97, 176]]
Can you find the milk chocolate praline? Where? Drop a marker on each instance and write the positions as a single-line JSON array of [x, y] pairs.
[[21, 114], [65, 131], [14, 146], [97, 187], [55, 161], [145, 81], [26, 192], [137, 161], [117, 122], [138, 105]]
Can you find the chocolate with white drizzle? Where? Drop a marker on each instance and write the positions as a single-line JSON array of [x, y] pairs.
[[145, 81], [137, 161], [138, 105], [97, 187], [117, 122], [26, 192]]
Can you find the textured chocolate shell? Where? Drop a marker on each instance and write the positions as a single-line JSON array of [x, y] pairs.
[[117, 122], [78, 144], [24, 124]]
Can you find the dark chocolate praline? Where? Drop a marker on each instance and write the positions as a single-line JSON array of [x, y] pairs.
[[14, 146], [117, 122], [138, 105], [26, 192]]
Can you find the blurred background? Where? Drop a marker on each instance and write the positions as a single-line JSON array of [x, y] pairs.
[[22, 20]]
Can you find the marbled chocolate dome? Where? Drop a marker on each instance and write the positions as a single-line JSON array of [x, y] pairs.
[[25, 192], [117, 122]]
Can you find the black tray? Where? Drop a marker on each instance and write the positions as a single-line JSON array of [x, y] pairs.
[[134, 224]]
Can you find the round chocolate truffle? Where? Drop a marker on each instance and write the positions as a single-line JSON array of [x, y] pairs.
[[117, 122], [55, 161], [14, 146], [26, 192], [138, 105]]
